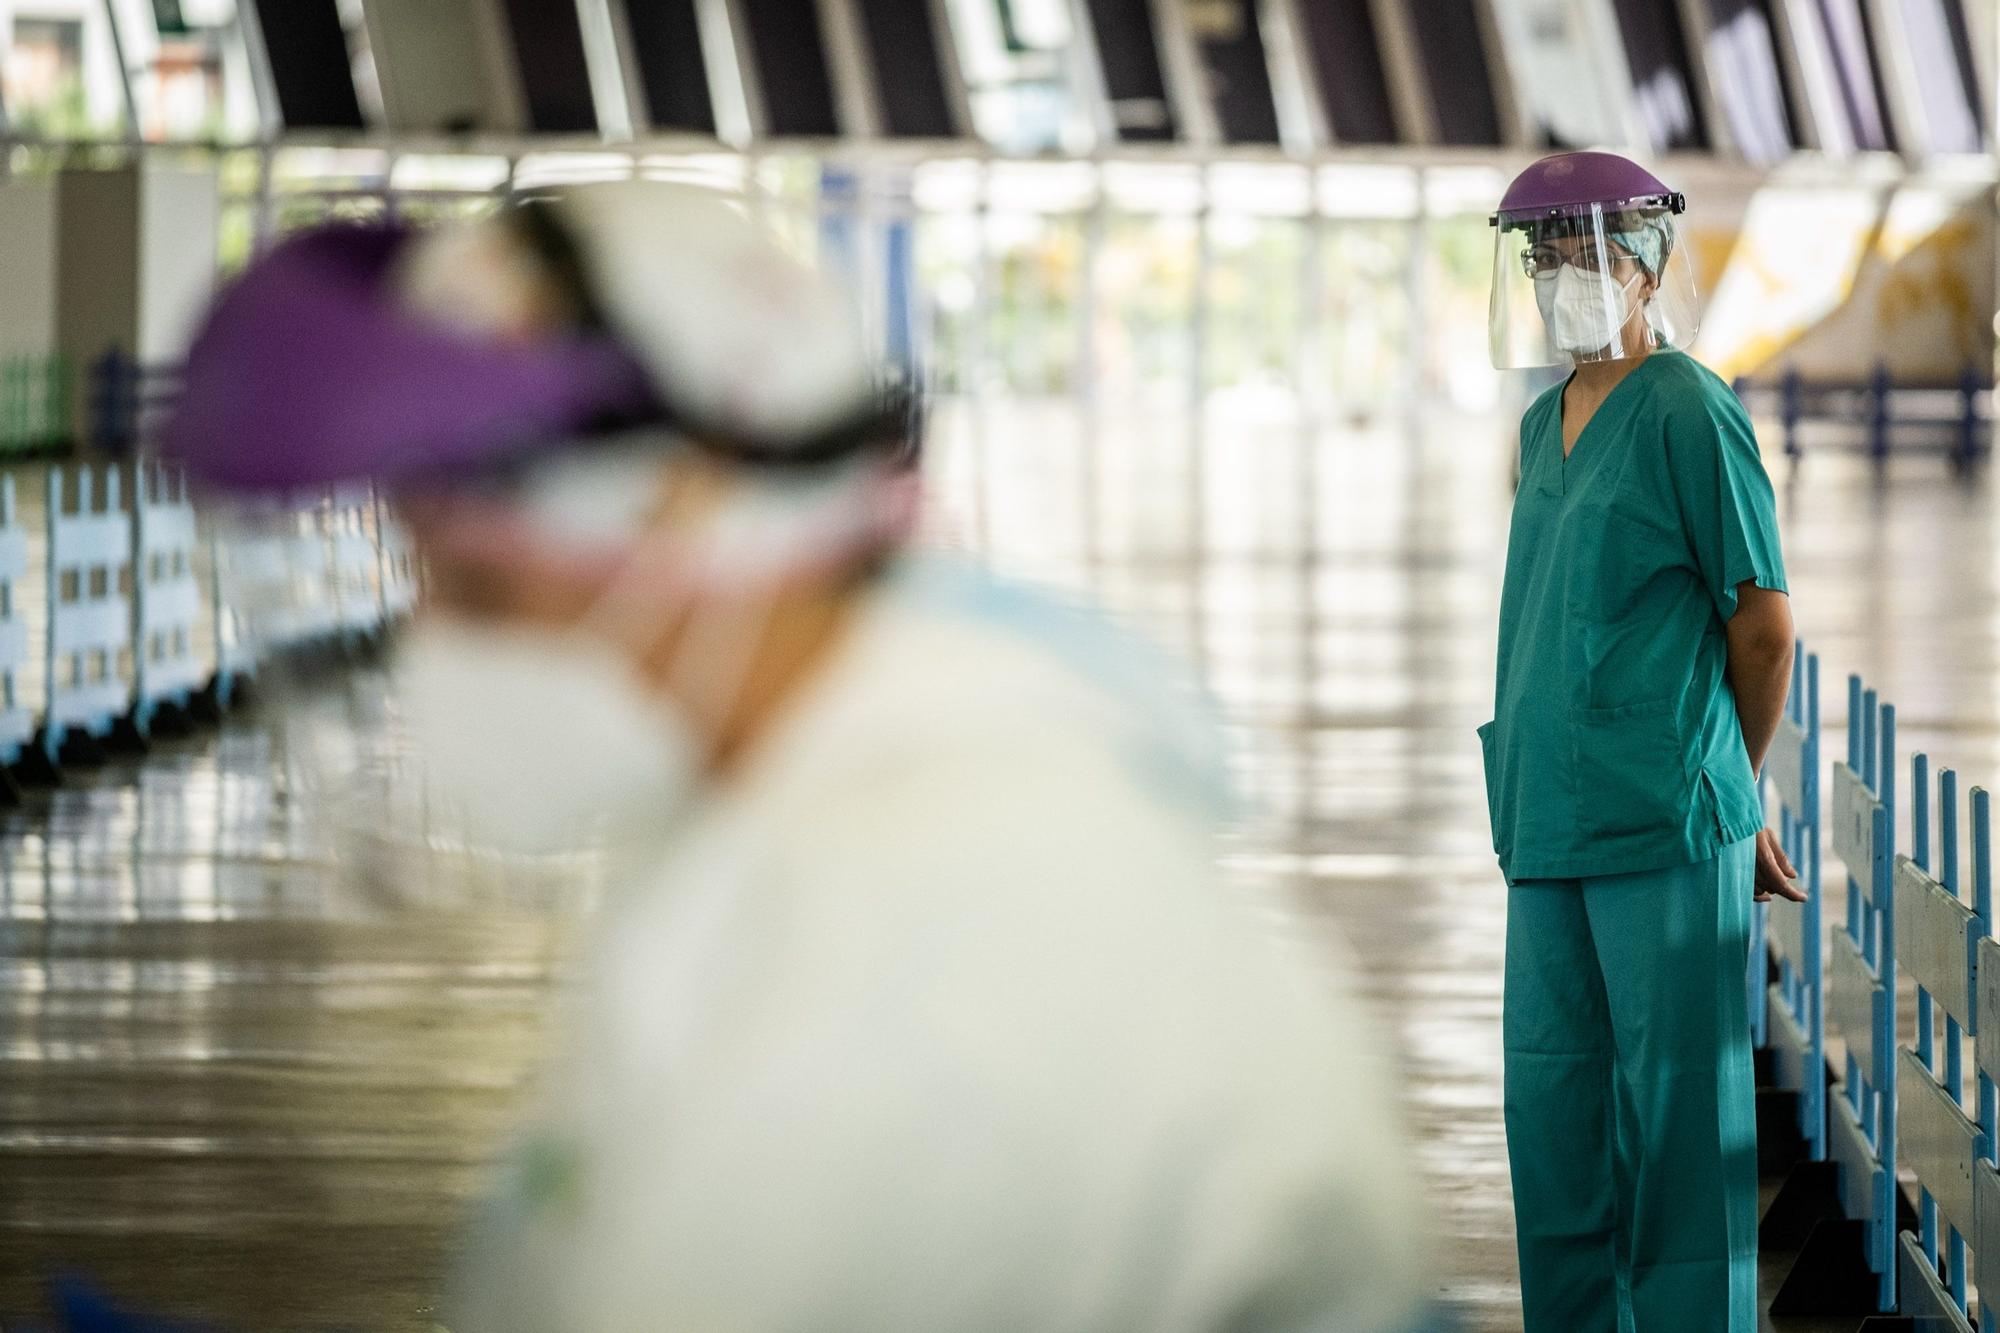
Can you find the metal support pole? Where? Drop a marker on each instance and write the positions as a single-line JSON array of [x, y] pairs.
[[1197, 473], [1089, 388], [131, 101], [978, 354], [1417, 293]]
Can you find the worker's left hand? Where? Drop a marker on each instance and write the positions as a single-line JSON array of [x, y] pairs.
[[1775, 876]]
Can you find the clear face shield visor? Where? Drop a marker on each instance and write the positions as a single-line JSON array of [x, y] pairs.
[[1590, 282]]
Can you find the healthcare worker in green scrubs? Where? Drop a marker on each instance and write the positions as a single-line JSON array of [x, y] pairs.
[[1644, 656]]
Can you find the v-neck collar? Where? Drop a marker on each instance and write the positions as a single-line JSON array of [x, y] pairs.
[[1562, 405]]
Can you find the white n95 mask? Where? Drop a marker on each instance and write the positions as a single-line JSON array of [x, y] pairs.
[[1584, 311], [535, 741]]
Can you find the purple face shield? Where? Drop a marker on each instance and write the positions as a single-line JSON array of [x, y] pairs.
[[305, 373], [1572, 185]]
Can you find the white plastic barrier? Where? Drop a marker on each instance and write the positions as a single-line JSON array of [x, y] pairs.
[[398, 564], [355, 579], [314, 613], [90, 619], [17, 717], [166, 595], [238, 562]]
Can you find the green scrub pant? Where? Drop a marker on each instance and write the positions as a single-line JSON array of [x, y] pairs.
[[1630, 1099]]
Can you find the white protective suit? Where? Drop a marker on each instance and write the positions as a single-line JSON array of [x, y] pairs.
[[936, 1017]]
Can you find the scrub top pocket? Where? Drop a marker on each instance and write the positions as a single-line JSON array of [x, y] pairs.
[[1631, 771], [1490, 757]]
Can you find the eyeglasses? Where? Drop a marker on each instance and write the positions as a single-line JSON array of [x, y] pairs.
[[1541, 261]]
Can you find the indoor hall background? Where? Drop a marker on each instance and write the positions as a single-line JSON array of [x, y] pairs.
[[237, 1085]]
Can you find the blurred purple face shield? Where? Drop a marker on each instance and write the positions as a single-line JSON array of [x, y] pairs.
[[306, 374]]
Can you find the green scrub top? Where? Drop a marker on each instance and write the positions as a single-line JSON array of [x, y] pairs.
[[1615, 745]]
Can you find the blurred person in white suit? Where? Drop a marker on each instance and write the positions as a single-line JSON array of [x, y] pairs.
[[917, 1002]]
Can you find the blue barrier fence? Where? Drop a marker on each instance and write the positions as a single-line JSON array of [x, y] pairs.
[[1861, 981], [1891, 416], [1788, 1014], [1937, 934], [1844, 987], [1929, 916]]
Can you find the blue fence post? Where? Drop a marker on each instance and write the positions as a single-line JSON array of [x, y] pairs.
[[1954, 1056], [1815, 948], [1792, 1029], [1791, 406], [105, 372], [1968, 417], [1885, 1031], [1920, 853], [1878, 412], [1982, 906]]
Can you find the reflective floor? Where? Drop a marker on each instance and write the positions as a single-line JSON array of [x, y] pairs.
[[236, 1084]]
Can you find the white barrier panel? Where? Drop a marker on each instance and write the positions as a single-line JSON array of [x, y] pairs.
[[1854, 811], [166, 596], [1791, 1047], [1861, 1194], [1785, 927], [239, 564], [90, 621], [1853, 995], [1782, 766], [1934, 931], [1936, 1140], [1986, 1215], [1921, 1298], [398, 564], [1986, 1038], [355, 579], [314, 616], [17, 717]]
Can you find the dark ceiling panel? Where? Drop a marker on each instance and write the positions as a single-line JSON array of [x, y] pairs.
[[309, 64], [555, 76], [666, 46], [1453, 56], [788, 48], [1346, 57], [909, 69], [1129, 51], [1662, 74]]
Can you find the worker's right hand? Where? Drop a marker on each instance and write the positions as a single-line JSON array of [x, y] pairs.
[[1775, 876]]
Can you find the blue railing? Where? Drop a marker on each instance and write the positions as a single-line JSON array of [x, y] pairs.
[[1880, 414]]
